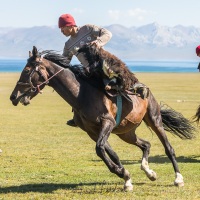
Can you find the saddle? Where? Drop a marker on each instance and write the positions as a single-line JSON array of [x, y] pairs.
[[138, 89]]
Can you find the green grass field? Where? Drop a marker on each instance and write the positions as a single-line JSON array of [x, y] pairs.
[[43, 158]]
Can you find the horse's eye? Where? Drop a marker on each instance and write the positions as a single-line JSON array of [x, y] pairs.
[[26, 71]]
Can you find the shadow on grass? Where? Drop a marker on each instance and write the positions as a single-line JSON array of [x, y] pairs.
[[161, 159], [43, 187], [51, 187], [96, 187], [180, 159], [164, 159]]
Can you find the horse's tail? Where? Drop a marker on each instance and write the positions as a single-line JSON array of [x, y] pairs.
[[196, 117], [175, 123]]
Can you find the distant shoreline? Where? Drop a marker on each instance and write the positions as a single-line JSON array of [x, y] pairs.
[[10, 66]]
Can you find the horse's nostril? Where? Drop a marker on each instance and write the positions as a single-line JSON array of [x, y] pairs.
[[12, 97]]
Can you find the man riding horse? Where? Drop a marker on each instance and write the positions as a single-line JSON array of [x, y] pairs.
[[79, 36], [97, 115], [115, 74]]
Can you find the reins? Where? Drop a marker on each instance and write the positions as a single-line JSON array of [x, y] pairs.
[[37, 88], [47, 80]]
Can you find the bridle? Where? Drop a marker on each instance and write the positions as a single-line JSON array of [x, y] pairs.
[[34, 89]]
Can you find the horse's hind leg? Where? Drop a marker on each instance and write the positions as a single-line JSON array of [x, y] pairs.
[[132, 138], [154, 120]]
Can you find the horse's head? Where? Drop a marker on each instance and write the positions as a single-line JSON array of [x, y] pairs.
[[31, 81]]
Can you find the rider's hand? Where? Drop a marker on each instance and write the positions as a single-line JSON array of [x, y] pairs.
[[108, 87], [94, 43]]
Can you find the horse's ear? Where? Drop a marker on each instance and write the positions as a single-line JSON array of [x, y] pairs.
[[30, 54], [35, 51]]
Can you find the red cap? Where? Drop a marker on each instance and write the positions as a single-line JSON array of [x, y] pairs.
[[66, 20], [198, 50]]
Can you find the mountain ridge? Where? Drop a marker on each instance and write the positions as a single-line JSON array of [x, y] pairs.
[[148, 42]]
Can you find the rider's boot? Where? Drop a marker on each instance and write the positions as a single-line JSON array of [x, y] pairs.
[[141, 89], [71, 122]]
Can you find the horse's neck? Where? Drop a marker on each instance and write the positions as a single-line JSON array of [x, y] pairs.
[[65, 84]]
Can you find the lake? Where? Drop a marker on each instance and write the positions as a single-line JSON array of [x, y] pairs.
[[134, 66]]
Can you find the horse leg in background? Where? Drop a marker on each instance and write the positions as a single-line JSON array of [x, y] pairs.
[[113, 156], [131, 138], [102, 147], [154, 120]]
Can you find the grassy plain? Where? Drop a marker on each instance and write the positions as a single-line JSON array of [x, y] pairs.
[[43, 158]]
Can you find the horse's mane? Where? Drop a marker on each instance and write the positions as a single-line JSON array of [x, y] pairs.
[[95, 57], [78, 69], [99, 55], [56, 58]]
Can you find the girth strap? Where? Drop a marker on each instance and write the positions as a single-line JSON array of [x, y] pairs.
[[119, 110]]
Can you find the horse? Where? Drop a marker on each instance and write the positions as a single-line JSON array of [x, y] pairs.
[[196, 117], [95, 112]]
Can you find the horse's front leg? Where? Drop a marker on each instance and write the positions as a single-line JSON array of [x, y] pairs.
[[102, 147]]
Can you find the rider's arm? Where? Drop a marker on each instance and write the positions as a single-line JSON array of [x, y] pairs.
[[103, 36], [68, 55]]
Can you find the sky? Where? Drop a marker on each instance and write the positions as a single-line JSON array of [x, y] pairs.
[[129, 13]]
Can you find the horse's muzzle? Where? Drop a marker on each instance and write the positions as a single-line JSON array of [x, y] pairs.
[[24, 100]]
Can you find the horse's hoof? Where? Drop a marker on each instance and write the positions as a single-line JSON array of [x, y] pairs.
[[128, 186], [153, 176], [180, 184], [150, 174], [179, 180]]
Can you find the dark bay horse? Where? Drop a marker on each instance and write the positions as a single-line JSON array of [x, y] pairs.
[[95, 112], [196, 117]]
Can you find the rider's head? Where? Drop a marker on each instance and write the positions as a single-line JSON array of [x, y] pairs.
[[66, 20], [198, 51], [67, 25]]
